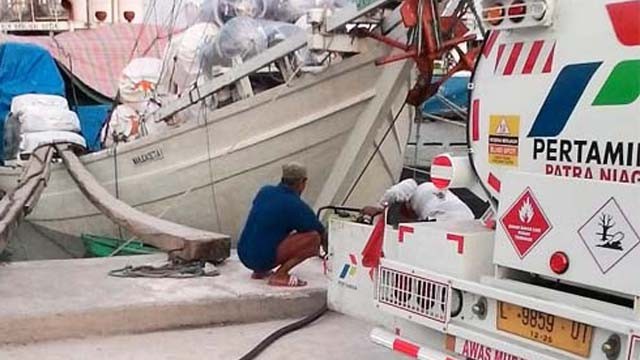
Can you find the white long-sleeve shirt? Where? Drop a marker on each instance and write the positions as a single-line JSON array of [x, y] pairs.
[[427, 201]]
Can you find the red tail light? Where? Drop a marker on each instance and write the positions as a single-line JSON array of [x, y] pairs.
[[559, 262], [517, 11], [494, 14]]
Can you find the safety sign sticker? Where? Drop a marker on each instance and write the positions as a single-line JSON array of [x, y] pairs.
[[476, 351], [525, 223], [608, 235], [504, 139]]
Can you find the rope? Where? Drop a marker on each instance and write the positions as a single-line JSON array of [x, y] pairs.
[[117, 179], [174, 270], [375, 151], [66, 54], [209, 161], [145, 20], [171, 25]]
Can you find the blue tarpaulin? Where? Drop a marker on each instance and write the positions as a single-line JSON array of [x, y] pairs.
[[91, 119], [455, 90], [25, 69], [30, 69]]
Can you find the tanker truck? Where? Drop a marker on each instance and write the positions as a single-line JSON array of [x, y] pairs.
[[552, 270]]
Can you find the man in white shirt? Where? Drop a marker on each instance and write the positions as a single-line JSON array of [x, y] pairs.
[[422, 202]]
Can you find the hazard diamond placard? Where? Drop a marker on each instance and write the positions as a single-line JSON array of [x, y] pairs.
[[609, 235], [525, 223]]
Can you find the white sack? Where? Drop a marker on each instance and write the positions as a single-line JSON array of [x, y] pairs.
[[22, 102], [43, 118], [31, 141], [139, 80]]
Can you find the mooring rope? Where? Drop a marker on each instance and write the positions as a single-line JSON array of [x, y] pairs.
[[174, 269]]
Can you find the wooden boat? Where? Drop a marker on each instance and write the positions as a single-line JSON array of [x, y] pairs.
[[205, 173]]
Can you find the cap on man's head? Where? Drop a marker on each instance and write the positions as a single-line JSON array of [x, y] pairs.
[[294, 171]]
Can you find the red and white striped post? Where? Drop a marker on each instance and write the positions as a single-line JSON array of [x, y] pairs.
[[398, 344]]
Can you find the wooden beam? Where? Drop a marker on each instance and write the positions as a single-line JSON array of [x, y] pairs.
[[361, 138], [17, 203], [178, 240]]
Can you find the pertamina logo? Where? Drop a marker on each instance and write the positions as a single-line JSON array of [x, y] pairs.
[[348, 271], [525, 223], [616, 161]]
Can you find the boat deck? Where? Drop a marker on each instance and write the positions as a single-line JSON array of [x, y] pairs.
[[57, 299]]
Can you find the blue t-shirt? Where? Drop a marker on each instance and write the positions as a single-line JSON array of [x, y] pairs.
[[276, 212]]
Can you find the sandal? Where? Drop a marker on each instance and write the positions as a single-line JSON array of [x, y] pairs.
[[292, 281]]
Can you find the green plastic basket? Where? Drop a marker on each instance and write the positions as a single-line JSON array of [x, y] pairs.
[[103, 246]]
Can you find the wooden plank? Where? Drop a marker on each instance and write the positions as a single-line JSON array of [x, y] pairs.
[[17, 203], [178, 240]]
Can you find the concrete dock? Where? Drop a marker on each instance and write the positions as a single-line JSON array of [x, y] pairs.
[[332, 337], [59, 299]]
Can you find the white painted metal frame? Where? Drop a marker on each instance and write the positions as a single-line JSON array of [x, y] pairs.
[[410, 308]]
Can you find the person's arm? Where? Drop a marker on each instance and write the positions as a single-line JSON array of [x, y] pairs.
[[304, 219], [399, 193], [372, 210]]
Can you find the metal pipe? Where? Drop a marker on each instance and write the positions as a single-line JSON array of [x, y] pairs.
[[461, 112], [418, 122], [438, 118]]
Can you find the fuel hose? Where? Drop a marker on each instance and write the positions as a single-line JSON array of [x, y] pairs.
[[284, 331]]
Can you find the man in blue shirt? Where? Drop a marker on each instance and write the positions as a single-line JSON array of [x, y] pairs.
[[281, 230]]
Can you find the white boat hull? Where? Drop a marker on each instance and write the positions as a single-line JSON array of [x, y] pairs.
[[205, 173]]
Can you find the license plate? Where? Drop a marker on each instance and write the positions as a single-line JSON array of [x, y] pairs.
[[558, 332]]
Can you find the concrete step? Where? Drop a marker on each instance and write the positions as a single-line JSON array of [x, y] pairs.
[[332, 337], [57, 299]]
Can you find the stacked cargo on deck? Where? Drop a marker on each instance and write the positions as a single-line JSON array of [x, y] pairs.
[[136, 89], [39, 119]]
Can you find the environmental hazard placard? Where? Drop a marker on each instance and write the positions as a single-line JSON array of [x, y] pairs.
[[504, 139], [608, 235]]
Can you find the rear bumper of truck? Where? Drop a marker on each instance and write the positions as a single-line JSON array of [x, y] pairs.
[[612, 325]]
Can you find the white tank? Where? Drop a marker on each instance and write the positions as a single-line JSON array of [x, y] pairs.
[[561, 102]]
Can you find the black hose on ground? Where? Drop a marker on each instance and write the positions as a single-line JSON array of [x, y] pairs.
[[284, 331]]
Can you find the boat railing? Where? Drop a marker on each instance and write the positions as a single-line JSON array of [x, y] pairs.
[[322, 27]]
